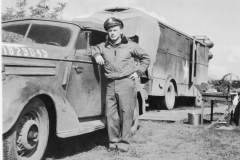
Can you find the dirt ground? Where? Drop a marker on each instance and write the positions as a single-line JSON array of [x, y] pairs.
[[153, 141]]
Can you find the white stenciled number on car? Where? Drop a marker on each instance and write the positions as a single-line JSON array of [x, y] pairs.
[[45, 54], [10, 49], [4, 49], [18, 51], [39, 53], [25, 51], [31, 51]]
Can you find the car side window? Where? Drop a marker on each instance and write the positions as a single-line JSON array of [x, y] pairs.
[[87, 39], [83, 42], [14, 33]]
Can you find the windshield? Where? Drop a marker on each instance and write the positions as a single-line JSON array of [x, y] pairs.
[[51, 35], [14, 33], [38, 33]]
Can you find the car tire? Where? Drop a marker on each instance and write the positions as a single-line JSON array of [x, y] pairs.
[[27, 139]]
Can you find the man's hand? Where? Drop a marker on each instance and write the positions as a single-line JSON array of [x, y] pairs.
[[99, 59], [133, 76]]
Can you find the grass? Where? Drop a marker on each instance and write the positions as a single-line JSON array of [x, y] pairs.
[[154, 140]]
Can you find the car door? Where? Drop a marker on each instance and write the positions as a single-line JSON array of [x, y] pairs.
[[85, 88]]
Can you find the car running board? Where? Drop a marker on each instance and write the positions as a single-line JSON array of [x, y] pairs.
[[84, 127]]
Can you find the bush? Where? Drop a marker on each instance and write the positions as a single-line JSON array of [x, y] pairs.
[[222, 86], [41, 10], [236, 84]]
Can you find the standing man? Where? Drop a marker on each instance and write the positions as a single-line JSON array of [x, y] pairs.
[[117, 56]]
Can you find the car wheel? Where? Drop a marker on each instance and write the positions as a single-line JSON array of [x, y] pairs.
[[27, 139]]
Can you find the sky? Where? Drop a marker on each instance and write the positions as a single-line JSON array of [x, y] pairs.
[[217, 19]]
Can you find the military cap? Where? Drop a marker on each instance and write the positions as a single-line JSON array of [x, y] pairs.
[[112, 21]]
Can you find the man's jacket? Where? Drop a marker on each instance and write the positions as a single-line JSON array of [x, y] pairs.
[[119, 58]]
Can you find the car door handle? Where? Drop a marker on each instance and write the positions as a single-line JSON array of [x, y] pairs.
[[78, 69], [65, 76]]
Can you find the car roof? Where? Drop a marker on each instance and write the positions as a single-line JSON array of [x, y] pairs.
[[83, 25]]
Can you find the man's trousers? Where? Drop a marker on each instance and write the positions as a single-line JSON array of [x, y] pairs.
[[120, 104]]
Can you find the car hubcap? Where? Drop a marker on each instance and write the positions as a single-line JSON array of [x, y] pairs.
[[27, 134]]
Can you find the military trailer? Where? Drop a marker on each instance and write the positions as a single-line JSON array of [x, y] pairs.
[[178, 61], [51, 85]]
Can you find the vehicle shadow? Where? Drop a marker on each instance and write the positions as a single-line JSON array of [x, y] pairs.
[[64, 147]]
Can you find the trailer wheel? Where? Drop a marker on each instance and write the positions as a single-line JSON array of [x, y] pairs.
[[169, 100], [27, 139], [135, 119]]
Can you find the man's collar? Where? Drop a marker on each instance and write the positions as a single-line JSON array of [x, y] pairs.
[[124, 40]]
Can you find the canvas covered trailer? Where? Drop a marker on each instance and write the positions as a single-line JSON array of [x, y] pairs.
[[178, 61]]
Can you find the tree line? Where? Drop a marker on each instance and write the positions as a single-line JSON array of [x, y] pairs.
[[40, 10]]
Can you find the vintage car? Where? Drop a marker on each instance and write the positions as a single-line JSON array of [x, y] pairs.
[[51, 85]]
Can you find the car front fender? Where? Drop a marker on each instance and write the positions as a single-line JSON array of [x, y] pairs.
[[18, 91]]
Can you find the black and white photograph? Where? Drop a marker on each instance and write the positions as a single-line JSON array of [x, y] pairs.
[[120, 79]]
